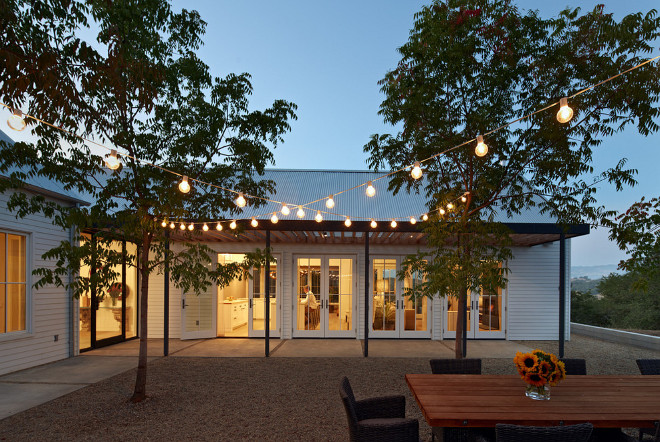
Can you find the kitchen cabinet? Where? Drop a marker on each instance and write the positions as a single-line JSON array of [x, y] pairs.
[[234, 314]]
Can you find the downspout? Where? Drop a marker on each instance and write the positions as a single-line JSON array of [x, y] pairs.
[[71, 303]]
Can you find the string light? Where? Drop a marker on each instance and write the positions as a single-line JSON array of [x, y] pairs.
[[347, 222], [318, 216], [218, 227], [463, 199], [371, 190], [373, 224], [441, 211], [565, 113], [240, 200], [393, 224], [300, 213], [254, 222], [425, 217], [172, 225], [164, 223], [232, 225], [481, 149], [285, 210], [15, 120], [450, 206], [191, 227], [205, 227], [416, 171], [112, 162], [184, 186], [413, 220], [330, 202], [274, 219], [182, 226]]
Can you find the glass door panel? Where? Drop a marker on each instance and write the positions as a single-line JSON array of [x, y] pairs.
[[258, 311], [415, 310], [198, 314], [340, 297], [451, 318], [232, 318], [384, 298], [490, 318], [130, 299], [308, 299]]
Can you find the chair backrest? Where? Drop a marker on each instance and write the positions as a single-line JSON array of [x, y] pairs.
[[518, 433], [574, 366], [348, 398], [649, 366], [455, 366]]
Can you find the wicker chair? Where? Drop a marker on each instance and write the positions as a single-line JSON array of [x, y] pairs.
[[575, 366], [518, 433], [455, 366], [381, 418], [648, 367]]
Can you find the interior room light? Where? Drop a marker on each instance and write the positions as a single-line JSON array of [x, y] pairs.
[[318, 216], [184, 186], [371, 190], [565, 113], [254, 222], [482, 148], [111, 161], [301, 212], [164, 223], [425, 217], [191, 227], [393, 224], [240, 200], [232, 225], [373, 224], [172, 225], [347, 222], [413, 220], [285, 210], [218, 227], [182, 226], [205, 227], [441, 211], [416, 171], [274, 219], [16, 121], [330, 202]]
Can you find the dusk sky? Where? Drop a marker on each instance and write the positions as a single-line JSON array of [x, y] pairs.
[[327, 57]]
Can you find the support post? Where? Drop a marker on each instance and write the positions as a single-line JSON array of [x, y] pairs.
[[267, 291], [366, 294], [464, 332], [562, 292], [166, 298]]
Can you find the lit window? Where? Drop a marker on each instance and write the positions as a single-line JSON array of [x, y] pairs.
[[13, 290]]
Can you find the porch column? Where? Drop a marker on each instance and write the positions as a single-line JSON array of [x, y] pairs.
[[267, 291], [366, 294], [562, 292], [166, 298]]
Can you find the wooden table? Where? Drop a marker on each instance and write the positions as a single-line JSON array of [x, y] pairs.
[[485, 400]]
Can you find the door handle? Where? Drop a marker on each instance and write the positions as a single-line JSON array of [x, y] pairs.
[[183, 303], [250, 302]]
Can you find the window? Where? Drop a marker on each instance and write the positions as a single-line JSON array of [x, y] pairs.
[[13, 286]]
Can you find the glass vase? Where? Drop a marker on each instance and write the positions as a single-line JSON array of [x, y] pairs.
[[538, 393]]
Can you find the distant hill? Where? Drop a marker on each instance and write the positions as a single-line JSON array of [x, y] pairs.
[[593, 272]]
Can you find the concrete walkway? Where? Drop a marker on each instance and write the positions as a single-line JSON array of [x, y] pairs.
[[28, 388]]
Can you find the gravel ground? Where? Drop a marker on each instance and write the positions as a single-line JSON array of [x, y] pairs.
[[256, 398]]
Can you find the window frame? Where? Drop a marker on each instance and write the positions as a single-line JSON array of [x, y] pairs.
[[29, 298]]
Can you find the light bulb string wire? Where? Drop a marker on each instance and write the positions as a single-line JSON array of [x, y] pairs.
[[86, 140]]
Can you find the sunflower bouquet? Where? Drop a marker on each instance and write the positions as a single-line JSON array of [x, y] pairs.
[[539, 370]]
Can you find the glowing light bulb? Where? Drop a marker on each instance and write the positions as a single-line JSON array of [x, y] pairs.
[[450, 206], [16, 121], [393, 224], [371, 190], [318, 216], [164, 223], [191, 227], [232, 225], [347, 222], [565, 113], [274, 219], [416, 171], [218, 227], [285, 210], [373, 224], [413, 220], [425, 217], [254, 222], [172, 225], [441, 211], [240, 200], [330, 202], [184, 186], [111, 161], [205, 227], [463, 199], [482, 148], [182, 226], [300, 213]]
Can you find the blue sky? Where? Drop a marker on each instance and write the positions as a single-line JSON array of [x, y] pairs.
[[327, 58]]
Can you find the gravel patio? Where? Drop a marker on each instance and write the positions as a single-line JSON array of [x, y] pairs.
[[257, 398]]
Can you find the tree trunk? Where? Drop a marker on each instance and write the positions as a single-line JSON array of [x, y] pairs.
[[460, 325], [140, 392]]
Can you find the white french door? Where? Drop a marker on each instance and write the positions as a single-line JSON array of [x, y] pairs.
[[393, 314], [485, 316], [198, 317], [327, 311], [257, 302]]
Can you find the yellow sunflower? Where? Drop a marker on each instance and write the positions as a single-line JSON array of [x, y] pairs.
[[545, 368], [535, 379], [529, 361]]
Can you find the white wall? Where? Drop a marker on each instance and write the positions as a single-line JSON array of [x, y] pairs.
[[48, 307]]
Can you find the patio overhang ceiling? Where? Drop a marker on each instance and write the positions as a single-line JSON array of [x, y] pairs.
[[335, 232]]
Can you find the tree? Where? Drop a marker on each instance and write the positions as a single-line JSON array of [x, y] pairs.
[[470, 67], [137, 86]]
